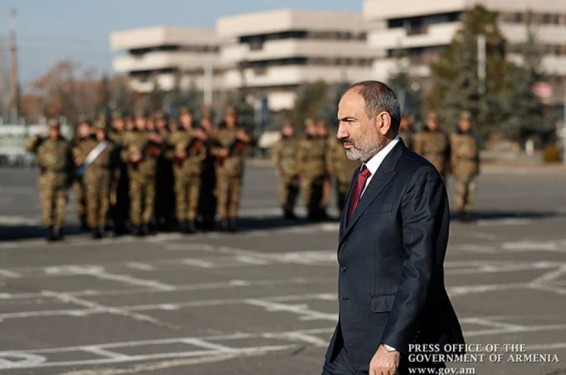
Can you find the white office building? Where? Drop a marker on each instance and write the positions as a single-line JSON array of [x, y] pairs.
[[184, 57], [422, 29], [274, 52]]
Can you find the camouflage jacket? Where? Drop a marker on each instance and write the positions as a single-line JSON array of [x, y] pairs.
[[285, 156]]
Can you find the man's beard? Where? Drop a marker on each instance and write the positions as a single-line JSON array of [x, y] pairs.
[[359, 152]]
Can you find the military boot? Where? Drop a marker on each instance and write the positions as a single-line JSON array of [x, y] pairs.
[[50, 235], [190, 227], [232, 224]]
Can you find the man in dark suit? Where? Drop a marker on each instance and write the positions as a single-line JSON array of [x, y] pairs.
[[392, 243]]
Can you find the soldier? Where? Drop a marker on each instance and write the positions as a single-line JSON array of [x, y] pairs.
[[119, 199], [433, 143], [101, 171], [322, 134], [406, 131], [207, 198], [165, 193], [142, 150], [55, 168], [189, 154], [231, 142], [342, 168], [312, 170], [285, 158], [82, 143], [465, 164]]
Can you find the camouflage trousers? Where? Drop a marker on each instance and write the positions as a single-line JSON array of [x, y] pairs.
[[187, 192], [314, 192], [288, 191], [228, 190], [79, 189], [465, 189], [97, 198], [142, 197], [53, 197], [342, 188]]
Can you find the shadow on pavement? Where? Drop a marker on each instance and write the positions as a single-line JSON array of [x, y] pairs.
[[487, 215]]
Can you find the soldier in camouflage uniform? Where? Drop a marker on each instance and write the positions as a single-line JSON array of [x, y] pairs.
[[101, 171], [119, 198], [312, 170], [189, 154], [55, 167], [406, 131], [433, 143], [207, 198], [141, 151], [342, 168], [82, 143], [231, 142], [165, 193], [285, 157], [465, 165]]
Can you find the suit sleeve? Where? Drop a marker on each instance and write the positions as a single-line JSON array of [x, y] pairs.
[[425, 222]]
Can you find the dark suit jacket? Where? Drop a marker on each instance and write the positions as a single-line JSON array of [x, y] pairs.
[[391, 254]]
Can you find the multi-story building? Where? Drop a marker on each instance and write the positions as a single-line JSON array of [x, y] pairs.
[[274, 52], [170, 57], [422, 29]]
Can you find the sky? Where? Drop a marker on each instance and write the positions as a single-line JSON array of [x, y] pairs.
[[49, 31]]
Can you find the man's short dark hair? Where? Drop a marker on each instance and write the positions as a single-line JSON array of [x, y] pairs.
[[379, 98]]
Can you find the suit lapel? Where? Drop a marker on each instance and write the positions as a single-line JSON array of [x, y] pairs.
[[378, 182], [344, 215]]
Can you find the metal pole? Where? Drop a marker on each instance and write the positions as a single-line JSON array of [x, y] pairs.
[[482, 74], [208, 84], [564, 126]]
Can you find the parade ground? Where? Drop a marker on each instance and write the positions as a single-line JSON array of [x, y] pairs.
[[264, 301]]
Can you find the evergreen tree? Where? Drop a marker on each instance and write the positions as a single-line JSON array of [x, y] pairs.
[[526, 113], [457, 86]]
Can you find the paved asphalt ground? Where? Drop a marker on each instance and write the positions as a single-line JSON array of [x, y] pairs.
[[263, 301]]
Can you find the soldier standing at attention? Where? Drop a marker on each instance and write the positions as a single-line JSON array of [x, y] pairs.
[[406, 131], [55, 167], [101, 170], [82, 143], [231, 142], [142, 150], [207, 199], [119, 198], [312, 169], [342, 168], [285, 158], [465, 164], [433, 143], [165, 193], [189, 154]]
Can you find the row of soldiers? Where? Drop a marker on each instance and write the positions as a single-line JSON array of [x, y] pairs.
[[456, 154], [145, 172], [308, 164]]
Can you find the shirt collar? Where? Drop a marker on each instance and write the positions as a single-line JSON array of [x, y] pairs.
[[376, 160]]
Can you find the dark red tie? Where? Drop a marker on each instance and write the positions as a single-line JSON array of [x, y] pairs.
[[357, 190]]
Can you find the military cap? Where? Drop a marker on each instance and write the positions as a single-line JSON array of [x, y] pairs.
[[230, 111], [53, 124], [465, 115], [117, 115], [185, 110], [100, 124]]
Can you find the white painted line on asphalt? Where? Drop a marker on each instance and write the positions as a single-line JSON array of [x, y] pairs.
[[302, 310], [102, 352], [197, 263], [98, 308], [140, 266], [208, 345], [9, 274], [503, 222]]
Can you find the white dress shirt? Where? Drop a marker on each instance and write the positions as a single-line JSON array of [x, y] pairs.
[[374, 163]]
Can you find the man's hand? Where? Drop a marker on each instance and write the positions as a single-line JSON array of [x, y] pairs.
[[384, 362]]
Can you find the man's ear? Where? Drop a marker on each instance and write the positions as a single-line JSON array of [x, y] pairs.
[[383, 121]]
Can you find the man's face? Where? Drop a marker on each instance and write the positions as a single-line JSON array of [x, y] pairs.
[[118, 124], [432, 122], [288, 131], [141, 122], [84, 130], [186, 119], [358, 133], [54, 133], [465, 124], [230, 120]]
